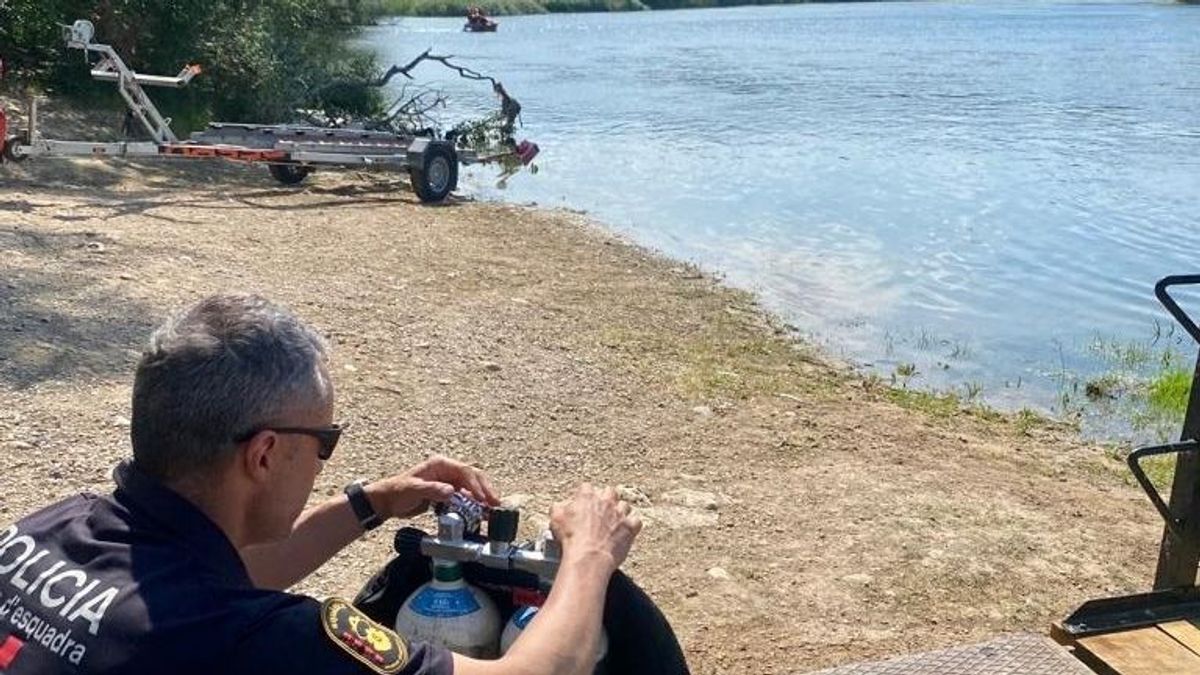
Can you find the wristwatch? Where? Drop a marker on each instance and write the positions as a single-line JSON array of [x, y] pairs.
[[367, 516]]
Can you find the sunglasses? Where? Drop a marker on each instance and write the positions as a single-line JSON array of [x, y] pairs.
[[328, 436]]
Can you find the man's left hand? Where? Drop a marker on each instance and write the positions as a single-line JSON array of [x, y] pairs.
[[434, 480]]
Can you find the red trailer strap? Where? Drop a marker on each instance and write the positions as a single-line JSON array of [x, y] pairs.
[[233, 152]]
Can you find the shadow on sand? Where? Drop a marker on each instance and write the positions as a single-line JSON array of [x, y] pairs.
[[55, 324]]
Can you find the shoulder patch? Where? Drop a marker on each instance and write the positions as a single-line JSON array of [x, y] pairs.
[[379, 648]]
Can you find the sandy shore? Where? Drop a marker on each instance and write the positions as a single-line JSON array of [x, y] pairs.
[[797, 517]]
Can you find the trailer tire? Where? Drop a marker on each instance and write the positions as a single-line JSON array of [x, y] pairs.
[[289, 174], [10, 146], [438, 175]]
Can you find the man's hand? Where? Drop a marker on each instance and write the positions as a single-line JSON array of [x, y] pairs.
[[596, 530], [595, 523], [325, 529], [434, 480]]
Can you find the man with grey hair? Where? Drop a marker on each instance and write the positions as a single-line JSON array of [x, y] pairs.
[[181, 568]]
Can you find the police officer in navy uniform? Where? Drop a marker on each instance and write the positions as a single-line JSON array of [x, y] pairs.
[[181, 569]]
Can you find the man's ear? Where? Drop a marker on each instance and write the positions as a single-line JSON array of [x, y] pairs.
[[260, 456]]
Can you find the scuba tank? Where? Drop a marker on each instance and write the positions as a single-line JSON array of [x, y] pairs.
[[450, 612], [520, 620], [515, 626], [640, 639]]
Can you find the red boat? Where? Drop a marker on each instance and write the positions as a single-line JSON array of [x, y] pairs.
[[478, 22]]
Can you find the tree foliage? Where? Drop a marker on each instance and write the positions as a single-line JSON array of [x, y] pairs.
[[261, 59]]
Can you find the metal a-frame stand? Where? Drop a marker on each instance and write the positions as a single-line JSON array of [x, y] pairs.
[[112, 69], [1179, 553], [1175, 596]]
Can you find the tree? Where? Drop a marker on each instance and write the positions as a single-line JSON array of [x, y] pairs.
[[261, 58]]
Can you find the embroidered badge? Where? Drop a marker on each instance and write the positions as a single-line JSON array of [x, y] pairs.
[[379, 648], [12, 644]]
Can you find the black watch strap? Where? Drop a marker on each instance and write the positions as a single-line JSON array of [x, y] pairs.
[[367, 516]]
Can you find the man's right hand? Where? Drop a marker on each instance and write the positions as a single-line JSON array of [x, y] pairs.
[[595, 523], [596, 530]]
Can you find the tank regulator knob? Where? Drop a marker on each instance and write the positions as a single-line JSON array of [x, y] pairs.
[[502, 525]]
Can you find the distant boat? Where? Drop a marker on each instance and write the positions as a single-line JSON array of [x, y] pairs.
[[478, 22], [480, 25]]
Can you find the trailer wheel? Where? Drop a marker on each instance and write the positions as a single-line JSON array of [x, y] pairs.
[[438, 175], [10, 147], [289, 174]]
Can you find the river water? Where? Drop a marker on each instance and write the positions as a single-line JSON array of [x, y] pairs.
[[984, 191]]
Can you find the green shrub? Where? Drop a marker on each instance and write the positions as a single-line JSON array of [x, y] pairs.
[[261, 60]]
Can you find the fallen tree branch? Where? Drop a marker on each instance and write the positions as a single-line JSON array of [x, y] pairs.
[[510, 108], [463, 71], [490, 137]]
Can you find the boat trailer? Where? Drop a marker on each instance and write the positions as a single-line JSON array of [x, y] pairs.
[[290, 152]]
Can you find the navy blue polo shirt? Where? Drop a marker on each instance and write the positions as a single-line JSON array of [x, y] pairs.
[[142, 582]]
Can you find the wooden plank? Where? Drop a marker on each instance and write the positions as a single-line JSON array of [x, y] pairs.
[[1060, 635], [1185, 632], [1144, 651]]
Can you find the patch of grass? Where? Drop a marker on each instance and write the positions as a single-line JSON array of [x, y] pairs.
[[960, 350], [904, 373], [938, 405], [1160, 470], [924, 341], [1026, 420], [1109, 385], [985, 412], [739, 367], [1130, 354], [1142, 393], [872, 382], [1153, 426], [949, 403], [726, 359], [1169, 390], [941, 404]]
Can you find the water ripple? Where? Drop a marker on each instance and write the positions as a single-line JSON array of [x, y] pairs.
[[1016, 184]]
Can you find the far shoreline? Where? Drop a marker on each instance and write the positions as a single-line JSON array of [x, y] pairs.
[[400, 9]]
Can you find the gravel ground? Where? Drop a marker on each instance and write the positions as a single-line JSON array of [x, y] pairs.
[[796, 517]]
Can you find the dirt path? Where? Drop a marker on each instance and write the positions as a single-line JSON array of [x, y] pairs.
[[796, 518]]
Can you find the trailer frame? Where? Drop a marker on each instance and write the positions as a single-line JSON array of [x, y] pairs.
[[291, 152]]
